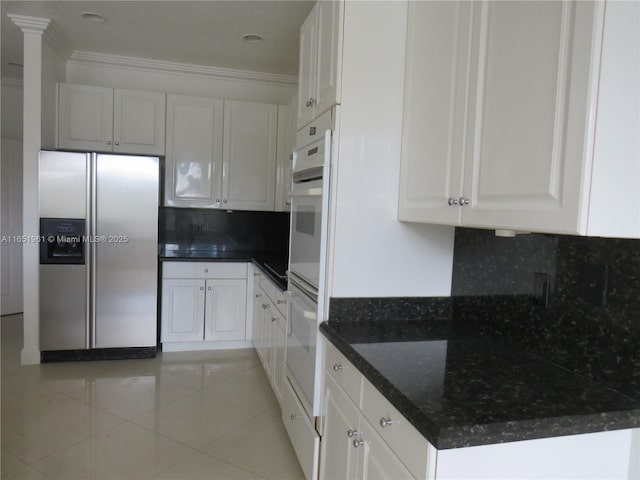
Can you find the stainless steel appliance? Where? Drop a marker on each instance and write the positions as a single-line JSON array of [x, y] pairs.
[[98, 255], [307, 260]]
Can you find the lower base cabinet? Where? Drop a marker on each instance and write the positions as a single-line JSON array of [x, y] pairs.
[[203, 305], [365, 437]]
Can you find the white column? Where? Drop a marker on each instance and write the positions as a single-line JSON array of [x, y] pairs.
[[33, 28]]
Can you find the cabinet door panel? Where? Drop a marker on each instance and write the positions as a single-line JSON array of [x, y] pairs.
[[193, 172], [279, 351], [435, 109], [339, 458], [307, 68], [524, 166], [225, 309], [139, 121], [182, 310], [378, 460], [85, 118], [327, 56], [250, 136]]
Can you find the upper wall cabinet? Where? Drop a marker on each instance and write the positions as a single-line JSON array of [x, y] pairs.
[[319, 61], [107, 120], [220, 154], [523, 116]]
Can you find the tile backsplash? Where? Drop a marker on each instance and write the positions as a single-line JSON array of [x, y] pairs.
[[237, 231], [572, 300]]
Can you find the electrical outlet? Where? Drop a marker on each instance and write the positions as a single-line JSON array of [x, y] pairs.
[[541, 289]]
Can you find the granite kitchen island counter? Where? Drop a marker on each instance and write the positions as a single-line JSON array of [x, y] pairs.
[[461, 392]]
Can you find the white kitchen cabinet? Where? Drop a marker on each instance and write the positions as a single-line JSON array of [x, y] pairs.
[[249, 155], [220, 153], [286, 144], [388, 446], [193, 165], [182, 309], [111, 120], [502, 116], [203, 305], [319, 61], [270, 326]]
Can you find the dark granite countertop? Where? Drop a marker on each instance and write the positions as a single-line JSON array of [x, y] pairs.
[[273, 265], [466, 392]]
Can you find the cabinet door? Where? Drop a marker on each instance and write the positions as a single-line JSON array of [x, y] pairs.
[[307, 68], [339, 456], [225, 309], [286, 144], [250, 136], [85, 118], [138, 122], [525, 164], [377, 461], [182, 310], [328, 30], [435, 111], [193, 171], [258, 299], [278, 332]]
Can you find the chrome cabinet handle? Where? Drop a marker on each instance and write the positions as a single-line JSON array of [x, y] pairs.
[[265, 306], [274, 319], [201, 288], [358, 442], [463, 201], [258, 295], [209, 288], [280, 302], [117, 143], [295, 417], [337, 367], [217, 200], [351, 433], [224, 200], [108, 142], [206, 270], [385, 422], [452, 201]]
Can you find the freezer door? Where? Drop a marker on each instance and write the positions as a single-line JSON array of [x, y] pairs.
[[62, 189], [125, 208]]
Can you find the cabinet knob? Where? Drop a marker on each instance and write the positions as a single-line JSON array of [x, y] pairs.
[[385, 422], [313, 101], [337, 367], [206, 270], [265, 306], [280, 302], [351, 433], [209, 288], [295, 417], [224, 201], [274, 319], [108, 142], [217, 200], [201, 288], [358, 442], [258, 295], [463, 201], [452, 201], [117, 143], [312, 131]]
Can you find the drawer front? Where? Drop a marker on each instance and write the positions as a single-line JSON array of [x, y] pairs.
[[204, 270], [406, 442], [304, 438], [314, 130], [278, 298], [343, 372]]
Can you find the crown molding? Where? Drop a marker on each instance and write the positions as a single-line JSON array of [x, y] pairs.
[[57, 40], [30, 24], [81, 57]]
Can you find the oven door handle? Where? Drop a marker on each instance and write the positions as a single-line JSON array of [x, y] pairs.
[[305, 192]]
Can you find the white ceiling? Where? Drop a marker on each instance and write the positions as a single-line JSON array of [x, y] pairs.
[[197, 32]]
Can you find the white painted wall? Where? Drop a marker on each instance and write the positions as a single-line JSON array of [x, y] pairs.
[[53, 71], [371, 252], [113, 71], [11, 102]]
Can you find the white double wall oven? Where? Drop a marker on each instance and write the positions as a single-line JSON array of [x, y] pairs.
[[307, 260]]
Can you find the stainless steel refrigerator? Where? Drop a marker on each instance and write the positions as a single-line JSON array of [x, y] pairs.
[[98, 254]]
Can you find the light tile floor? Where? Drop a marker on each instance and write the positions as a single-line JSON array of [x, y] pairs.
[[189, 415]]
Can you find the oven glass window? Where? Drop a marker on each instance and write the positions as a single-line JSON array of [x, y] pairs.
[[305, 220]]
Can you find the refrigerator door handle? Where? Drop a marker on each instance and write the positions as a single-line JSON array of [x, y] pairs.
[[92, 238], [87, 252]]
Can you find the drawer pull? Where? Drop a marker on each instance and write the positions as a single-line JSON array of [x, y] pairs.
[[351, 433], [280, 302], [295, 417], [265, 306], [385, 422], [206, 270], [358, 442], [274, 319], [337, 367]]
